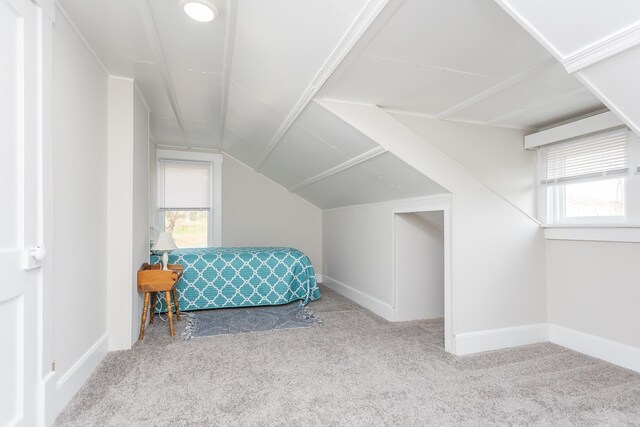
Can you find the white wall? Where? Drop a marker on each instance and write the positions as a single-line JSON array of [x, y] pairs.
[[495, 157], [258, 212], [498, 252], [594, 288], [419, 267], [358, 245], [358, 252], [128, 216], [80, 210]]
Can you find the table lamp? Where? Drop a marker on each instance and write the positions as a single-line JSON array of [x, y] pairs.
[[165, 244]]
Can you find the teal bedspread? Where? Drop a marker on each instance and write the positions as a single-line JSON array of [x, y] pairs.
[[241, 277]]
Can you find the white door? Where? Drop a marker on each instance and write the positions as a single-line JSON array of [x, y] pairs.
[[20, 213]]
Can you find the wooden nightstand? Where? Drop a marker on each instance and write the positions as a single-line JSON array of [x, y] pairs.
[[152, 279]]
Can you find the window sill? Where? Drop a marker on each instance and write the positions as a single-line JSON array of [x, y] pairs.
[[594, 233]]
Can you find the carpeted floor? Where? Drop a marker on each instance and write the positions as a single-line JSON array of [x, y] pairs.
[[354, 369]]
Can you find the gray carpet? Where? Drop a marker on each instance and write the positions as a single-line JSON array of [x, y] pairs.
[[355, 369], [207, 323]]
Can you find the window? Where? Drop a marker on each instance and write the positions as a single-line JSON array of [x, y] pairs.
[[189, 197], [590, 179]]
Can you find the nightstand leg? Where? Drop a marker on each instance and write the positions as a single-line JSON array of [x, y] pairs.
[[167, 295], [144, 315], [152, 309], [175, 301]]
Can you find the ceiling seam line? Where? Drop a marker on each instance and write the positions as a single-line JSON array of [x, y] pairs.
[[229, 45], [350, 39], [521, 111], [151, 31], [420, 65], [505, 84], [453, 119], [366, 156], [245, 90]]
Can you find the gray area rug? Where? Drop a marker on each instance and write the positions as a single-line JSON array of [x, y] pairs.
[[226, 321], [355, 370]]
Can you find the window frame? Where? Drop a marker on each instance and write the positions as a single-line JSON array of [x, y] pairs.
[[557, 210], [549, 215], [214, 226]]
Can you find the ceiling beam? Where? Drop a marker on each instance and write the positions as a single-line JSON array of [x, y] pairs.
[[151, 31], [612, 45], [585, 56], [229, 42], [385, 15], [511, 81], [353, 35], [368, 155], [524, 23]]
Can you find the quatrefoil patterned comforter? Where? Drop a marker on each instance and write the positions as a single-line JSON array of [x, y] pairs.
[[241, 277]]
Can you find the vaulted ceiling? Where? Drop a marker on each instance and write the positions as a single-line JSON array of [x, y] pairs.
[[246, 83]]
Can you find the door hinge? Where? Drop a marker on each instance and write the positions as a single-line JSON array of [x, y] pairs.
[[53, 366]]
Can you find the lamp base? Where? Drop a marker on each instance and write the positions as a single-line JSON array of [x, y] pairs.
[[165, 260]]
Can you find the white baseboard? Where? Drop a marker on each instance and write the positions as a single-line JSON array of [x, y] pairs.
[[70, 382], [601, 348], [378, 307], [50, 409], [319, 278], [495, 339]]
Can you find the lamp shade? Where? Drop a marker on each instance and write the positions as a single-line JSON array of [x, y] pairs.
[[165, 242]]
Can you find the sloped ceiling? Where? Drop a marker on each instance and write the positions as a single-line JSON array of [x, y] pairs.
[[245, 84], [464, 61], [596, 41]]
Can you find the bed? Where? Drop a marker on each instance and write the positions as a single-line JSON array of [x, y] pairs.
[[241, 277]]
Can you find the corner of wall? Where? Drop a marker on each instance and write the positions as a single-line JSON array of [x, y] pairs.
[[119, 221], [601, 348], [72, 380], [496, 339], [80, 211], [378, 307], [259, 212]]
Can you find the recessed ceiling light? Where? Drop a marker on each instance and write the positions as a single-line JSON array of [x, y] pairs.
[[200, 10]]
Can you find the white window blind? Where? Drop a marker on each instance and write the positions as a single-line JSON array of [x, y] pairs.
[[587, 158], [185, 185]]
